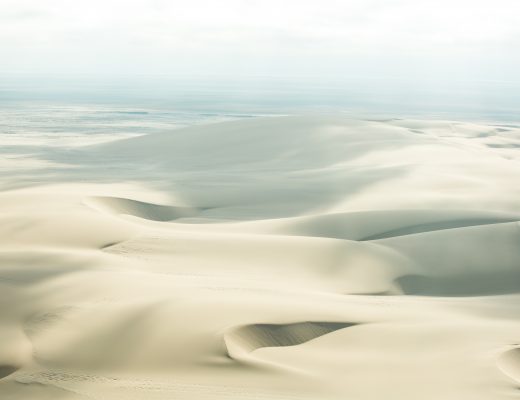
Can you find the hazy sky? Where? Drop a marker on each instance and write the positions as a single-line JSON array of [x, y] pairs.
[[427, 39]]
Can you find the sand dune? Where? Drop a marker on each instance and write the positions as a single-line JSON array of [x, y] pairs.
[[314, 257]]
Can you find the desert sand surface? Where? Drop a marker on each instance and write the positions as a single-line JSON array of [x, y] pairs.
[[301, 257]]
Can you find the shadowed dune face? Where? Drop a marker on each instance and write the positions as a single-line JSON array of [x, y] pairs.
[[469, 284], [6, 370], [437, 226], [252, 337]]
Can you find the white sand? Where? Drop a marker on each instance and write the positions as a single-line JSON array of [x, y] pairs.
[[279, 258]]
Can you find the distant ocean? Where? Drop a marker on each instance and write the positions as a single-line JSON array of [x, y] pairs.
[[56, 110], [56, 123]]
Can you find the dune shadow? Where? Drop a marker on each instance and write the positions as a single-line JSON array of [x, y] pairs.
[[36, 267], [437, 226], [503, 145], [470, 284], [6, 370], [245, 339]]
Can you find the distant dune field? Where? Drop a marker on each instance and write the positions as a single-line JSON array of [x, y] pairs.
[[303, 257]]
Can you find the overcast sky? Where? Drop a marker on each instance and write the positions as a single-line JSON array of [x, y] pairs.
[[427, 39]]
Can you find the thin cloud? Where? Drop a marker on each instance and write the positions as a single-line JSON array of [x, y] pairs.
[[233, 35]]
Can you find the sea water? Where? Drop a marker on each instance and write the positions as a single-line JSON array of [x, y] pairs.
[[80, 109]]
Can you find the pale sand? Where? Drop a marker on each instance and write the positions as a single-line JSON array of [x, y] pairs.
[[279, 258]]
